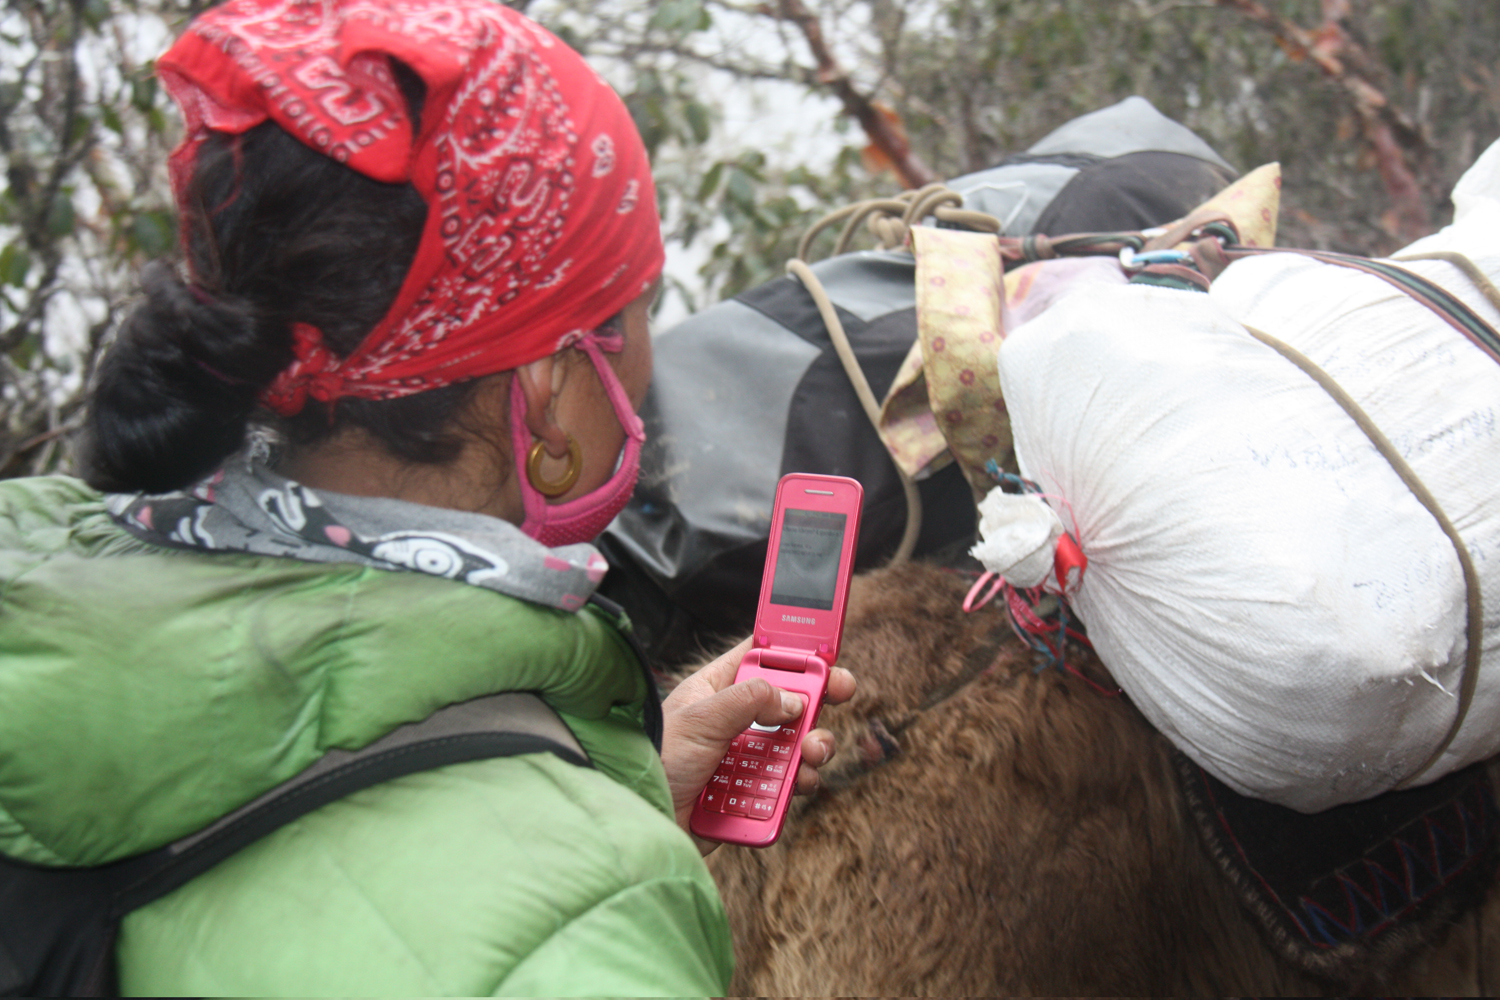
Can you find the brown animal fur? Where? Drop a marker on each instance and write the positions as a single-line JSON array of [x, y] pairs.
[[1026, 837]]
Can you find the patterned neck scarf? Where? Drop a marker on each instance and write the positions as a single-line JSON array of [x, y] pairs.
[[245, 507], [541, 218]]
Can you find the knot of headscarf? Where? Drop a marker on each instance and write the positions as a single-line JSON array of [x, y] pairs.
[[315, 371], [541, 220]]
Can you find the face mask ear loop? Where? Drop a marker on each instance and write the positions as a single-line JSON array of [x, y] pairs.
[[630, 421], [533, 503]]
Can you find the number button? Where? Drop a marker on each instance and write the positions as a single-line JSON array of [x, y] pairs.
[[781, 751], [755, 746], [774, 769], [767, 786]]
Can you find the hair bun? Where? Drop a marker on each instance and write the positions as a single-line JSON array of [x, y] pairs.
[[174, 392]]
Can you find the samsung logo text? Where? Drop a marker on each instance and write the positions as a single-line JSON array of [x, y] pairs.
[[799, 620]]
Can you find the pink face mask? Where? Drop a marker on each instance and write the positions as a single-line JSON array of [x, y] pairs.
[[584, 518]]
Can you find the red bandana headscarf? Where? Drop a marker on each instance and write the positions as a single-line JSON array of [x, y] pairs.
[[541, 219]]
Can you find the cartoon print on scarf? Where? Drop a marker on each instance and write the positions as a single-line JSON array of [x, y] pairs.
[[190, 529], [300, 512], [287, 507], [439, 555], [254, 510]]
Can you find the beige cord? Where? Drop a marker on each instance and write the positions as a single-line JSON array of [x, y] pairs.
[[1465, 265], [862, 211], [927, 201], [891, 219], [1475, 632], [805, 244], [861, 385], [982, 222]]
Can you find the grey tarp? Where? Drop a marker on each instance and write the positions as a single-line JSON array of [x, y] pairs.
[[751, 388]]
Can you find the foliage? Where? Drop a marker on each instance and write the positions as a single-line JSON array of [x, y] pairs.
[[978, 79], [745, 209], [958, 84], [84, 130]]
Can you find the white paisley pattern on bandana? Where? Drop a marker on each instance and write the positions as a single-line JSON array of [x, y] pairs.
[[537, 184]]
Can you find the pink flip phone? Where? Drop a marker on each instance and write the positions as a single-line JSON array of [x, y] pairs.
[[798, 623]]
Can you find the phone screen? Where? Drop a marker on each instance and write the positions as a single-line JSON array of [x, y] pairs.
[[807, 563]]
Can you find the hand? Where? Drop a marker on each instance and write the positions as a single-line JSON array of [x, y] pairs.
[[708, 710]]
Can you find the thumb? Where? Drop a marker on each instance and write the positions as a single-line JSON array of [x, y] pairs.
[[721, 717]]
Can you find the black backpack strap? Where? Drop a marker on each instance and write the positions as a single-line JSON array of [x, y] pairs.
[[501, 725], [651, 719], [58, 925]]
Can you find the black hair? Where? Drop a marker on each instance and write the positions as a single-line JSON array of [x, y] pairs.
[[275, 233]]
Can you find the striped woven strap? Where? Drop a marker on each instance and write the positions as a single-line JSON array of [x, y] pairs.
[[1450, 307]]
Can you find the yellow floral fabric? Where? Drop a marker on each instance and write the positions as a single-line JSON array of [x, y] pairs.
[[945, 403], [959, 293]]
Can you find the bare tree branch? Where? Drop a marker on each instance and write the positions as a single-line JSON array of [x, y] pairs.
[[881, 130], [1388, 133]]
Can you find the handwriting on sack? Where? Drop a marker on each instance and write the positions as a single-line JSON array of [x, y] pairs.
[[1469, 430]]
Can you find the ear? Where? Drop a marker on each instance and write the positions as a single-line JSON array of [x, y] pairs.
[[541, 382]]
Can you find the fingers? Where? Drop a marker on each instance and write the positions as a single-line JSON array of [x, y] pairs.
[[720, 717], [817, 750], [783, 707], [840, 686]]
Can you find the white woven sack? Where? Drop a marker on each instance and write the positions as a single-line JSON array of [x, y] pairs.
[[1260, 581]]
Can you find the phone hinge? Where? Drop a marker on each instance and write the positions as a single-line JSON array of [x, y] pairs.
[[785, 659]]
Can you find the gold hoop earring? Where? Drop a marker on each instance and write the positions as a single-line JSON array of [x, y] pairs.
[[555, 488]]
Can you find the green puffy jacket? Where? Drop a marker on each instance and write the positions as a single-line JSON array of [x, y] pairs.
[[145, 692]]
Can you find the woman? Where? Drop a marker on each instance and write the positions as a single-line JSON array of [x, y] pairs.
[[422, 234]]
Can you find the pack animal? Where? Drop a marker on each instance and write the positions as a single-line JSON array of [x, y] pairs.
[[991, 830]]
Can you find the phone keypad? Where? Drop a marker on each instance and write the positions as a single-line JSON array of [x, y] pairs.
[[752, 774]]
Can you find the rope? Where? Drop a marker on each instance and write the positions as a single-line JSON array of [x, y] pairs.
[[861, 211], [890, 219], [840, 339], [1475, 631], [927, 201], [982, 222], [805, 243]]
